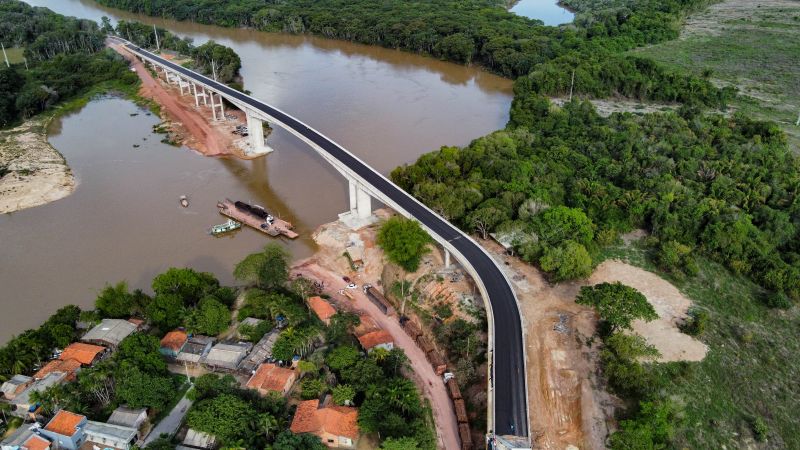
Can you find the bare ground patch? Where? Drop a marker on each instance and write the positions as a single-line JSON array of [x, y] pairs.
[[35, 172]]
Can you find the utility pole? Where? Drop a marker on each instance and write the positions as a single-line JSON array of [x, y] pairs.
[[155, 31], [571, 84], [5, 55]]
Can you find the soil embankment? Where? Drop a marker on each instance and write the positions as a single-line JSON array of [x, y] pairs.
[[328, 266], [32, 172], [189, 124]]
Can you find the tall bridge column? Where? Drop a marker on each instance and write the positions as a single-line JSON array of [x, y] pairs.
[[199, 92], [255, 129], [360, 201], [184, 84], [217, 115]]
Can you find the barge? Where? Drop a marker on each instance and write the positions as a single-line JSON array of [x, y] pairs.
[[256, 217]]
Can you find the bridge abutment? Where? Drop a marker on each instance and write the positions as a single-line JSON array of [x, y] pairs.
[[360, 214]]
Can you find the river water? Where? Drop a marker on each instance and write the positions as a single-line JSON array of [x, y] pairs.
[[123, 221], [548, 11]]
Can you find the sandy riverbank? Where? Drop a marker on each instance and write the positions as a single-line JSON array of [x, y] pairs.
[[187, 123], [32, 172]]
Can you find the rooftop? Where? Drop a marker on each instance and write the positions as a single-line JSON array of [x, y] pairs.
[[16, 384], [110, 331], [99, 431], [261, 351], [127, 417], [81, 352], [50, 379], [36, 443], [336, 420], [67, 366], [64, 423], [270, 377], [227, 355], [198, 439], [250, 321], [366, 325], [375, 338], [174, 340], [321, 308]]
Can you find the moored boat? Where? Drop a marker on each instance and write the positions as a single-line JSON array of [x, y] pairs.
[[230, 225], [184, 201]]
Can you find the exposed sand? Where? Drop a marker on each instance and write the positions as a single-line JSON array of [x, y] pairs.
[[189, 124], [669, 303], [37, 172]]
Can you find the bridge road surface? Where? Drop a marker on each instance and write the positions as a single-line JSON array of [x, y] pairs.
[[510, 393]]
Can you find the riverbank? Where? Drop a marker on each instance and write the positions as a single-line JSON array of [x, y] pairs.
[[32, 172], [186, 123]]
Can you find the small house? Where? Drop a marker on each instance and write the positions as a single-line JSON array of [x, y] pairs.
[[322, 309], [272, 378], [25, 437], [65, 430], [105, 435], [135, 418], [110, 332], [197, 439], [69, 367], [172, 343], [336, 426], [366, 324], [261, 351], [376, 339], [195, 349], [227, 356], [85, 354], [15, 386], [22, 402]]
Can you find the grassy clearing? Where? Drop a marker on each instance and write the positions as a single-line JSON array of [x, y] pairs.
[[751, 370], [16, 55], [752, 45]]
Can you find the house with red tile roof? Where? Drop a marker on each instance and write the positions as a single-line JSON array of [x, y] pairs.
[[322, 309], [376, 339], [36, 443], [336, 426], [65, 430], [69, 367], [272, 378], [173, 342], [86, 354]]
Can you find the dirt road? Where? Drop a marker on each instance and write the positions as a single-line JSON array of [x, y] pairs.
[[427, 381], [191, 124]]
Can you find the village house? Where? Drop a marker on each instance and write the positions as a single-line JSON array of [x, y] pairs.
[[70, 367], [15, 386], [85, 354], [172, 343], [23, 406], [336, 426], [25, 437], [195, 349], [366, 324], [271, 378], [322, 309], [197, 440], [110, 332], [70, 431], [376, 339], [227, 356], [135, 418], [261, 351]]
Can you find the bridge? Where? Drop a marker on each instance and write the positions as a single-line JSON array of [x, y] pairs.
[[507, 413]]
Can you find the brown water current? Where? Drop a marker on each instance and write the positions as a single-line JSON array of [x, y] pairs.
[[124, 221]]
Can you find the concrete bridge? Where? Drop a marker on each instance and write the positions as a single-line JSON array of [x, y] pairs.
[[507, 397]]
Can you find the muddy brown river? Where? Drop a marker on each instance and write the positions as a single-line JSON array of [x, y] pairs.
[[123, 222]]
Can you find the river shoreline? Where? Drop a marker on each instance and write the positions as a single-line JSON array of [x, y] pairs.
[[35, 172]]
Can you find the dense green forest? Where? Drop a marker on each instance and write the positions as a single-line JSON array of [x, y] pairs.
[[65, 58], [482, 32]]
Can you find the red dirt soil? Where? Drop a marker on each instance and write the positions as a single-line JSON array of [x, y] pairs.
[[190, 124]]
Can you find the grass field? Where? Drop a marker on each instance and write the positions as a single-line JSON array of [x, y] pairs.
[[15, 55], [751, 44], [752, 369]]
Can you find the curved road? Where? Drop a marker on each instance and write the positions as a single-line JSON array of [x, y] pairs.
[[510, 393]]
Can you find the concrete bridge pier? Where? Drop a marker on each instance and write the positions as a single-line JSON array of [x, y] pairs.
[[446, 258], [184, 84], [255, 129], [217, 109], [360, 213], [199, 92]]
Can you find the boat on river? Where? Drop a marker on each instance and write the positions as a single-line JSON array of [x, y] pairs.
[[184, 201], [223, 228], [256, 217]]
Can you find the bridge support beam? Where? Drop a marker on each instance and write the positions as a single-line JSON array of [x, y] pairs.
[[255, 130], [360, 214], [184, 84], [199, 92], [446, 258], [217, 109]]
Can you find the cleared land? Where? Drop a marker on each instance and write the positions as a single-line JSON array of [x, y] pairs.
[[753, 45], [751, 369]]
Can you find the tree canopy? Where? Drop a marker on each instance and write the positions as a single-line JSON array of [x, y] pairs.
[[269, 269], [617, 304], [404, 241]]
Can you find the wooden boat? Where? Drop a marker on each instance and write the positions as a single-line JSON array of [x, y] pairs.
[[184, 201], [222, 228], [257, 218]]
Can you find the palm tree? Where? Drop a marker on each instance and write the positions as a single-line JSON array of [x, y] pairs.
[[379, 354]]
